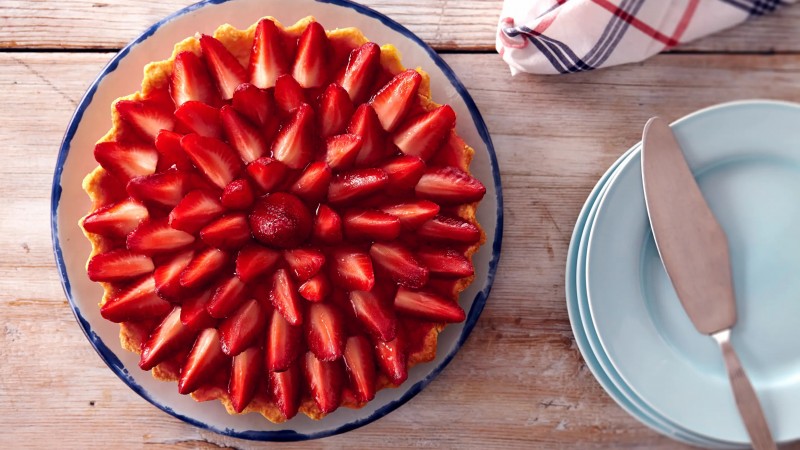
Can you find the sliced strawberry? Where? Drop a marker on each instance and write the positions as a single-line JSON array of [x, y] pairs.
[[375, 313], [117, 219], [246, 373], [310, 65], [449, 186], [168, 276], [427, 305], [425, 134], [446, 262], [312, 186], [413, 214], [404, 172], [365, 123], [118, 265], [370, 224], [206, 356], [256, 106], [324, 379], [170, 152], [286, 390], [360, 364], [357, 184], [126, 161], [191, 81], [195, 211], [327, 225], [200, 118], [392, 359], [138, 302], [267, 173], [393, 101], [352, 270], [146, 117], [204, 268], [304, 262], [228, 295], [295, 143], [194, 313], [281, 220], [341, 150], [285, 299], [335, 110], [316, 288], [218, 162], [449, 229], [224, 67], [156, 236], [241, 329], [268, 59], [228, 232], [289, 95], [254, 261], [243, 136], [359, 75], [284, 343], [400, 263], [325, 332], [167, 339], [163, 188], [238, 194]]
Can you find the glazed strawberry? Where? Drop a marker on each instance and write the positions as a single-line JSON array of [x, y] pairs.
[[118, 265], [310, 65], [289, 95], [449, 229], [204, 267], [224, 68], [448, 186], [244, 137], [126, 161], [312, 186], [413, 214], [217, 161], [327, 225], [394, 100], [267, 173], [304, 262], [335, 110], [238, 194], [156, 236], [286, 388], [268, 60], [295, 143], [167, 339], [284, 343], [324, 380], [163, 189], [352, 270], [404, 172], [241, 329], [204, 359], [425, 134], [280, 220], [258, 107], [428, 306], [445, 262], [370, 225], [325, 332], [341, 150], [316, 288], [117, 219], [376, 314], [194, 211], [170, 152], [167, 276], [400, 263], [360, 366], [146, 117], [358, 76], [228, 295], [365, 123], [354, 185], [245, 376], [228, 232], [254, 260], [191, 81], [138, 302], [392, 359], [194, 312], [199, 118], [285, 299]]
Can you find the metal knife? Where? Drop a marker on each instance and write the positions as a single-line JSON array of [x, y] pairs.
[[694, 250]]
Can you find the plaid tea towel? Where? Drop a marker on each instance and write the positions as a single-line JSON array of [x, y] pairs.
[[565, 36]]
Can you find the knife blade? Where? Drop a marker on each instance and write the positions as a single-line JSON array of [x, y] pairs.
[[694, 250]]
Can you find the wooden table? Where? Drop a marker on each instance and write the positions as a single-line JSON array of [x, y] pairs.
[[518, 382]]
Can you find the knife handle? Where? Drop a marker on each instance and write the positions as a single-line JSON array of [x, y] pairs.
[[745, 396]]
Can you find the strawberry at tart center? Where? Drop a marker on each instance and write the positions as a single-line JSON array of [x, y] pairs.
[[281, 220]]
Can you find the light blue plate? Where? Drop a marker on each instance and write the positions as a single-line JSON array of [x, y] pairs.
[[746, 156]]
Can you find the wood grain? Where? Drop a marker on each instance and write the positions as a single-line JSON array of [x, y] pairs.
[[519, 382]]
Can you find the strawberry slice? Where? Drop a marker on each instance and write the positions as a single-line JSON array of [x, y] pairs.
[[312, 186], [316, 288], [267, 173], [244, 137], [414, 213], [400, 263], [246, 374], [446, 262], [268, 60], [324, 380], [116, 220], [295, 143], [365, 123], [204, 359], [285, 299], [449, 186], [195, 211], [375, 313], [360, 365], [126, 161], [427, 305], [289, 95], [354, 185], [228, 232], [241, 329], [393, 101], [370, 224], [341, 150], [449, 229], [170, 152], [200, 118], [168, 276], [258, 107], [304, 262], [352, 270], [327, 225], [136, 303], [191, 81], [325, 332], [359, 75], [425, 134], [224, 67], [118, 265], [310, 65], [284, 343], [156, 236], [204, 267], [286, 390], [254, 261], [238, 194], [194, 313], [335, 110], [404, 172], [168, 338], [228, 295], [146, 117], [218, 162], [393, 359], [162, 189], [281, 220]]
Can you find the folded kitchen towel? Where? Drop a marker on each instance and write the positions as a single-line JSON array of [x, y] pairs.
[[565, 36]]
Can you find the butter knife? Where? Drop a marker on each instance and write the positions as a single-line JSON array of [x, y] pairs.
[[694, 250]]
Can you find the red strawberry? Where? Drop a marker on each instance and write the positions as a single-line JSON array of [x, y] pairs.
[[268, 60], [425, 134], [286, 390], [228, 295], [238, 194], [194, 313], [341, 150], [167, 339], [304, 262], [289, 95], [426, 305], [285, 299], [393, 101], [246, 374], [218, 162], [315, 289], [228, 232], [375, 313], [327, 225], [393, 359], [324, 380], [352, 270], [118, 265], [335, 110], [312, 185], [365, 123], [258, 107], [267, 173], [146, 117], [200, 118], [284, 343], [243, 136], [117, 219], [357, 184], [163, 188], [370, 224], [204, 267], [360, 364], [255, 260], [449, 186], [156, 236], [126, 161], [224, 67], [241, 329], [170, 152], [445, 262], [168, 276], [413, 214], [280, 220], [138, 302], [400, 263], [404, 172], [191, 81], [358, 77], [310, 65], [196, 210], [295, 143], [206, 356], [325, 332], [449, 229]]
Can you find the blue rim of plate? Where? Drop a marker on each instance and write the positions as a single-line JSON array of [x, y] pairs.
[[116, 365]]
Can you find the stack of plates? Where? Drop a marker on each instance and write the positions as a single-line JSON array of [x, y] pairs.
[[627, 320]]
